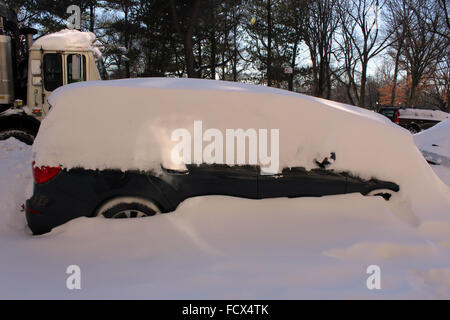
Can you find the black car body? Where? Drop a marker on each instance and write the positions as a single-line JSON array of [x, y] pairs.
[[79, 192]]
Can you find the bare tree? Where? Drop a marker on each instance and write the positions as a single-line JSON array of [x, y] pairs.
[[441, 25], [185, 18], [441, 84], [359, 21], [345, 51], [262, 36], [236, 20], [422, 49], [396, 23], [318, 34], [292, 24]]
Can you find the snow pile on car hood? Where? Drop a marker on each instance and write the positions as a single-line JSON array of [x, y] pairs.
[[67, 40], [425, 114], [127, 124], [435, 143]]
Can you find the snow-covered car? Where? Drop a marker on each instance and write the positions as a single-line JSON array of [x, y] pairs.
[[115, 149], [435, 143]]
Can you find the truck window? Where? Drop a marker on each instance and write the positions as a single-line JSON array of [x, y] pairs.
[[81, 68], [52, 71]]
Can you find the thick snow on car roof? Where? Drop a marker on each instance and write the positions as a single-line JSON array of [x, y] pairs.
[[225, 86], [157, 86], [149, 110], [128, 125]]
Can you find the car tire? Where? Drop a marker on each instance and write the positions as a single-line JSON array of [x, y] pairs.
[[128, 207], [20, 134]]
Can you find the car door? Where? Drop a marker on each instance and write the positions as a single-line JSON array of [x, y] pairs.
[[298, 182], [214, 179]]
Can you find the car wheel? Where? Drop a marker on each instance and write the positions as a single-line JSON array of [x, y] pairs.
[[128, 207], [386, 194]]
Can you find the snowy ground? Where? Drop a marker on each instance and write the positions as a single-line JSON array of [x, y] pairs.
[[222, 247]]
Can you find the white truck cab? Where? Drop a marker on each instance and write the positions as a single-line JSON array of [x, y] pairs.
[[58, 59], [54, 60]]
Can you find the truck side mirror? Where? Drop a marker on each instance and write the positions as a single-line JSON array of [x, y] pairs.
[[76, 67]]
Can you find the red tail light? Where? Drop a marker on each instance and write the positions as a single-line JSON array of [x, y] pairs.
[[44, 174], [396, 116], [32, 211]]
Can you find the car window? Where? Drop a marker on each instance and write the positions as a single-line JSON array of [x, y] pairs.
[[388, 113]]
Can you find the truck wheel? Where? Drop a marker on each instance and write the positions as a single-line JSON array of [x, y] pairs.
[[21, 135], [128, 207]]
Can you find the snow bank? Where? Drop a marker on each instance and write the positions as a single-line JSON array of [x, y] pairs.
[[127, 124], [67, 40], [15, 181], [424, 114]]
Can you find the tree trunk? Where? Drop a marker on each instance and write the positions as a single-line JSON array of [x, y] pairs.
[[127, 44], [198, 72], [315, 88], [394, 80], [189, 56], [328, 73], [187, 36], [213, 53], [294, 57], [412, 98], [448, 99], [362, 89], [235, 53], [91, 18], [269, 43]]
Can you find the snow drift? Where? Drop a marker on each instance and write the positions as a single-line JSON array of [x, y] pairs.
[[127, 124]]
